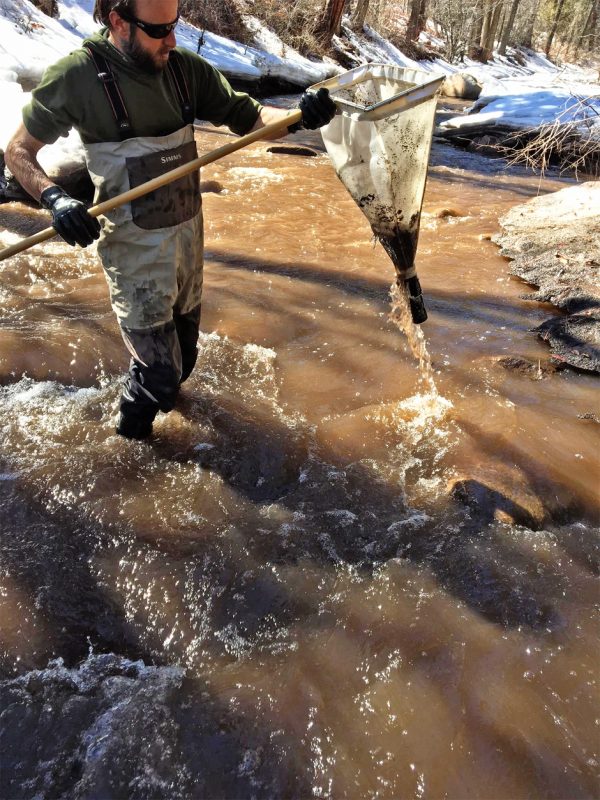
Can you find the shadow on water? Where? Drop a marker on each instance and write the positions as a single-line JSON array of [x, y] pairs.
[[124, 730], [451, 303], [114, 722], [23, 219], [465, 550], [47, 556], [375, 288]]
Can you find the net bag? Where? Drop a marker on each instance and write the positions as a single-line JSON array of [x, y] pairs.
[[379, 146]]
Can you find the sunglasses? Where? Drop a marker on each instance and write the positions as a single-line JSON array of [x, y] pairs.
[[149, 28]]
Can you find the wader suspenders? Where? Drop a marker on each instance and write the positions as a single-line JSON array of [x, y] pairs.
[[181, 88], [115, 98]]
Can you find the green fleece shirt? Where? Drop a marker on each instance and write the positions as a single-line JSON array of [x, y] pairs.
[[70, 95]]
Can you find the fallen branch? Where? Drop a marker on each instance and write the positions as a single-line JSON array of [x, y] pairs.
[[573, 142]]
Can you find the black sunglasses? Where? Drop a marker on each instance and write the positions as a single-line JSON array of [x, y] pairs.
[[149, 28]]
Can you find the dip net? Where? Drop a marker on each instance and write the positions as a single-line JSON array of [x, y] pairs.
[[379, 146]]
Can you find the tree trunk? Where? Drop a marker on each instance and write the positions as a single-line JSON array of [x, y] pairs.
[[490, 26], [508, 27], [528, 38], [569, 41], [559, 8], [475, 33], [49, 7], [359, 16], [589, 26], [417, 19], [493, 29], [331, 20], [487, 21], [501, 24]]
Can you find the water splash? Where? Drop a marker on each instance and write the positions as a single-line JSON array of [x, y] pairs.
[[401, 316]]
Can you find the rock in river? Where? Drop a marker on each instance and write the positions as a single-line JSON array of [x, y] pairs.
[[554, 244]]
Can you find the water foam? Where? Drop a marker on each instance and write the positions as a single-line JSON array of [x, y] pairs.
[[255, 174]]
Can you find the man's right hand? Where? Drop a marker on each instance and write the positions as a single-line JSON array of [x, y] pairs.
[[70, 218]]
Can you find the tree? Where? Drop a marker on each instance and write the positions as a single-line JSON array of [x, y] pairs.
[[459, 22], [331, 20], [359, 15], [487, 21], [417, 19], [476, 25], [557, 13], [587, 32], [508, 27], [491, 18], [527, 38]]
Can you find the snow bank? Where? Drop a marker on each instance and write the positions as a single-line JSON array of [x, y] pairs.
[[31, 40], [515, 95], [529, 109], [528, 95]]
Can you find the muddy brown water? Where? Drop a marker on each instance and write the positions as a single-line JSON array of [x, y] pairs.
[[329, 574]]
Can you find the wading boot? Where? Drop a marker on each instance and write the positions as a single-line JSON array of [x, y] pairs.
[[133, 427]]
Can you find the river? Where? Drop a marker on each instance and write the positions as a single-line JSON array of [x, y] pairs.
[[324, 576]]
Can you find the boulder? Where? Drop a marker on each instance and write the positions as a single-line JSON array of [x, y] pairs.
[[462, 85]]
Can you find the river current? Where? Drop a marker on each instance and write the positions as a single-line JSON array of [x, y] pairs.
[[328, 574]]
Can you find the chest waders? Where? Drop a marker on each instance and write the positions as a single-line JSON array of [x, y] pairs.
[[151, 251]]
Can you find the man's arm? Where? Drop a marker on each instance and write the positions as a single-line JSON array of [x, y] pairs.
[[268, 115], [70, 218], [317, 110], [21, 159]]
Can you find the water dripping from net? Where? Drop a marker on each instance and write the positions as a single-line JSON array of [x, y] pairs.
[[401, 316]]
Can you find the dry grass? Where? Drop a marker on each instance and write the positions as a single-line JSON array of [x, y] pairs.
[[224, 18], [295, 22]]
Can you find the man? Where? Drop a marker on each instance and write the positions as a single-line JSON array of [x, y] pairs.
[[132, 96]]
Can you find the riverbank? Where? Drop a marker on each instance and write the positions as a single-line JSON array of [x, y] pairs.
[[553, 242]]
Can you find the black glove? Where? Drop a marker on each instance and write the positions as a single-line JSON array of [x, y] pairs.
[[317, 110], [70, 218]]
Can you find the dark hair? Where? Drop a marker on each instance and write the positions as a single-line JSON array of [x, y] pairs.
[[103, 8]]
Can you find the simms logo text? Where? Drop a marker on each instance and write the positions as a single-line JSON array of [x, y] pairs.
[[167, 159]]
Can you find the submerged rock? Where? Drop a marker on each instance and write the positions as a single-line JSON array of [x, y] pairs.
[[510, 494], [445, 213], [554, 242], [498, 499], [531, 369]]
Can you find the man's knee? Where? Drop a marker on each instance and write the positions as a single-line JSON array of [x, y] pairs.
[[156, 367]]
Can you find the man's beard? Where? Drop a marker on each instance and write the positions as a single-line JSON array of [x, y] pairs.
[[141, 58]]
